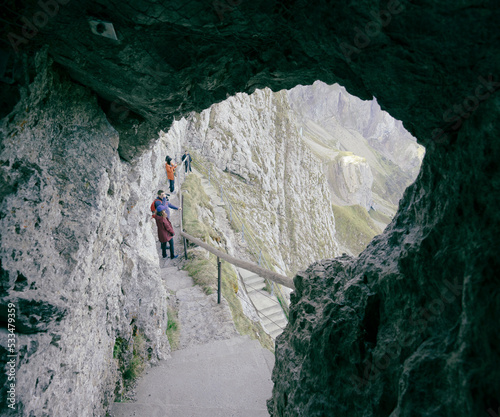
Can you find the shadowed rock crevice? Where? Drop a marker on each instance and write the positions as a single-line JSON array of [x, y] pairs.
[[32, 316]]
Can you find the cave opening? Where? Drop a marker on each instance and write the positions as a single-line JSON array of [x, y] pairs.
[[313, 158], [423, 61]]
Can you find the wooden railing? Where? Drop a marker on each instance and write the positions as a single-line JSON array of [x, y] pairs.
[[249, 266]]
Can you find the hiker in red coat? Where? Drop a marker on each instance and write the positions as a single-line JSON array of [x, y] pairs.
[[165, 232]]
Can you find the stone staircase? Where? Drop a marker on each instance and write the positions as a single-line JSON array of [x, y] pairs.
[[215, 373], [271, 314]]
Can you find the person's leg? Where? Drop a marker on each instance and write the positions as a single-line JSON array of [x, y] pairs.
[[172, 254], [164, 249], [172, 184]]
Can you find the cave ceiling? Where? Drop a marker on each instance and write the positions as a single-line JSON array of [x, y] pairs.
[[422, 60]]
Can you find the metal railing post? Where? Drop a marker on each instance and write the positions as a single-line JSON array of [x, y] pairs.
[[218, 279], [182, 224]]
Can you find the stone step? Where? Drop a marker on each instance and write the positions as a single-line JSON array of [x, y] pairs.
[[219, 210], [275, 315], [244, 273], [207, 186], [273, 318], [272, 309], [262, 299], [255, 288], [273, 329], [211, 191], [275, 333], [255, 284], [279, 321], [253, 278]]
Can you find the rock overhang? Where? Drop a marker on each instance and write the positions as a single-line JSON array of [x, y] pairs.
[[420, 61]]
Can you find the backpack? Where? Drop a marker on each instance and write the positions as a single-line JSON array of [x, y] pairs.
[[153, 207]]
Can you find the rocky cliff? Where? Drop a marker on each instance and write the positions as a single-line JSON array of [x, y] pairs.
[[78, 259], [353, 180], [274, 180], [335, 122]]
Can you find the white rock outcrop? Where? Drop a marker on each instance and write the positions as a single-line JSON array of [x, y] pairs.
[[272, 176], [354, 179]]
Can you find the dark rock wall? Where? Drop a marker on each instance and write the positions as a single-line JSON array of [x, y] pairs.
[[410, 327]]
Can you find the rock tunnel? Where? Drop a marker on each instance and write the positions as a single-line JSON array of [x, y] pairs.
[[408, 328]]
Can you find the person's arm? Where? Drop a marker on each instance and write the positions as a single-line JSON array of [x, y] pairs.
[[164, 224], [172, 206]]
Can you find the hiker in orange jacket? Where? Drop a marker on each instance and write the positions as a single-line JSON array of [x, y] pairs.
[[170, 168]]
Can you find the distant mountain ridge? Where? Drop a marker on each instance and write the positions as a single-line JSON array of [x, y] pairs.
[[344, 123]]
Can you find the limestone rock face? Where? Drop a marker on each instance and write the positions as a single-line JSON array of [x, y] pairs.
[[332, 106], [287, 164], [334, 120], [381, 333], [78, 259], [274, 180]]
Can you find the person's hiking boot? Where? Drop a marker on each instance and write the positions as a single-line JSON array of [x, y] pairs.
[[176, 256]]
